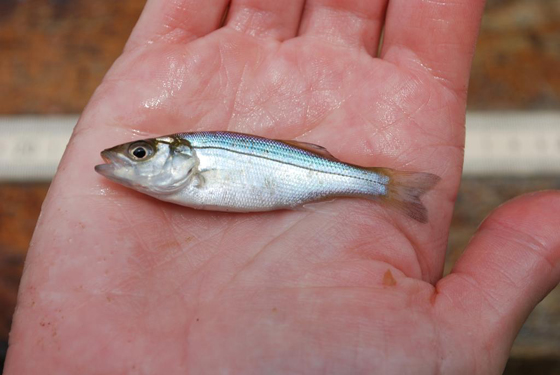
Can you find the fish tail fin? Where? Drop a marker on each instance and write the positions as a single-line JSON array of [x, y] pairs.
[[404, 190]]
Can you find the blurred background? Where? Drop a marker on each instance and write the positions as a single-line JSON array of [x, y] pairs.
[[53, 54]]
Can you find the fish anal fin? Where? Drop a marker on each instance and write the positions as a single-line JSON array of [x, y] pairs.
[[316, 149]]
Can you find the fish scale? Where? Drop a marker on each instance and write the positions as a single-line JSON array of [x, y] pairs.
[[256, 180]]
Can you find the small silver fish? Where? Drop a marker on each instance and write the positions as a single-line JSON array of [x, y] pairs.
[[225, 171]]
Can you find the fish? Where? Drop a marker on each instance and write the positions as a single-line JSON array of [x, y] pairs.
[[236, 172]]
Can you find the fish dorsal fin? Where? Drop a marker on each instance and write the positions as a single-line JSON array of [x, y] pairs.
[[318, 150]]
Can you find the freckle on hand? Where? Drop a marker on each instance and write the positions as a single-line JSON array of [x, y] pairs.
[[388, 279]]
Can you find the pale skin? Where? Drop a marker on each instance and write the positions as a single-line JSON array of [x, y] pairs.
[[119, 283]]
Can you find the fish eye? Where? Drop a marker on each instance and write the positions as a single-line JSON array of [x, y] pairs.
[[140, 150]]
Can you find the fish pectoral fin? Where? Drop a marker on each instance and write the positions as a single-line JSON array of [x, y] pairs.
[[197, 179], [316, 149]]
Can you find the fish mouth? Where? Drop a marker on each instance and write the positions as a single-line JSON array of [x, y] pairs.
[[115, 167], [110, 165], [105, 156]]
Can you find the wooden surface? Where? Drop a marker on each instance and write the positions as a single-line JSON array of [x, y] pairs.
[[517, 58], [55, 52]]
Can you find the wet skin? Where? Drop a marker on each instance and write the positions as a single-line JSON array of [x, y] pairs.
[[117, 282]]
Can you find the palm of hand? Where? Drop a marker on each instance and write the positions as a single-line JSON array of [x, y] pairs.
[[344, 286]]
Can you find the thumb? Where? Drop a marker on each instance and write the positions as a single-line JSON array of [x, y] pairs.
[[510, 265]]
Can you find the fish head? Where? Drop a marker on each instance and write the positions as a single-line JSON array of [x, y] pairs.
[[156, 165]]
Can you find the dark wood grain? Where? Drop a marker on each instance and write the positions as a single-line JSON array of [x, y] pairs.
[[517, 56], [55, 53]]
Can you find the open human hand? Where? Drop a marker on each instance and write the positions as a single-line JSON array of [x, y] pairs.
[[116, 282]]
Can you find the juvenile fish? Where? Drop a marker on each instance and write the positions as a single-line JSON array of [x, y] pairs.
[[225, 171]]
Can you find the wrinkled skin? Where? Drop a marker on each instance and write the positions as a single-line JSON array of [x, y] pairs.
[[116, 282]]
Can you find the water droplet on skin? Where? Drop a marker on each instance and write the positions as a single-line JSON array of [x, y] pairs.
[[104, 191], [156, 102], [140, 133], [151, 103]]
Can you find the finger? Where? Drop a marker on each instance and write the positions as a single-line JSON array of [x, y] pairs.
[[266, 18], [354, 23], [176, 21], [438, 35], [512, 262]]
